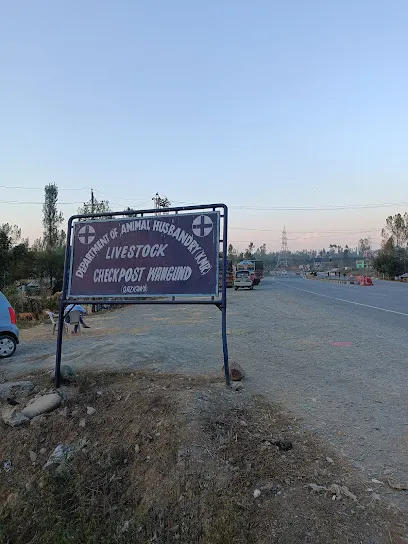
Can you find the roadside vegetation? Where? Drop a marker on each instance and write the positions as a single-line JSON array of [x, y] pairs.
[[154, 458]]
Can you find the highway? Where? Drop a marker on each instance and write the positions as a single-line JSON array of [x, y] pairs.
[[346, 358]]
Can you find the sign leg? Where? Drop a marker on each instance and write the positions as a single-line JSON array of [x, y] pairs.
[[59, 345], [225, 344]]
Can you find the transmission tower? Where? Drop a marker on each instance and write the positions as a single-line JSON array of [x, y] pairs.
[[283, 255]]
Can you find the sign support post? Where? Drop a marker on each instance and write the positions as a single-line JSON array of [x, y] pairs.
[[84, 283]]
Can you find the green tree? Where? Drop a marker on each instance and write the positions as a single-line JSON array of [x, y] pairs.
[[390, 260], [396, 227], [51, 247], [249, 253], [9, 236], [364, 244], [52, 218], [94, 206], [130, 210], [261, 252]]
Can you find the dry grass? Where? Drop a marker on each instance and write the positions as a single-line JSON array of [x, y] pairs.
[[172, 459]]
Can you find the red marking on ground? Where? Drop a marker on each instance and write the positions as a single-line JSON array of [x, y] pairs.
[[341, 343]]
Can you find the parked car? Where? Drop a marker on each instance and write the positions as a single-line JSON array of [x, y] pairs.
[[243, 279], [9, 332]]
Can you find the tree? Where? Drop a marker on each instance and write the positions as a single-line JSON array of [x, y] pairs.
[[130, 210], [52, 218], [9, 236], [161, 203], [346, 253], [364, 244], [249, 251], [391, 260], [50, 249], [261, 251], [94, 206], [396, 227]]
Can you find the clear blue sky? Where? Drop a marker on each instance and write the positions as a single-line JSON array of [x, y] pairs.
[[262, 104]]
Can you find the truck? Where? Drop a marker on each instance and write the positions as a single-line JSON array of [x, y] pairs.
[[256, 268], [230, 274]]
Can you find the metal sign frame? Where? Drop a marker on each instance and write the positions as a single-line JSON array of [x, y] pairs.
[[220, 302]]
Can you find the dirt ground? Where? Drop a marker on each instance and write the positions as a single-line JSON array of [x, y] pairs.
[[179, 459]]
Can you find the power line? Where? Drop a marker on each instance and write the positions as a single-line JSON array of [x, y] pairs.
[[39, 203], [42, 188], [307, 231], [321, 208]]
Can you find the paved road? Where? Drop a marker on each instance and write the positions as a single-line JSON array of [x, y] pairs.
[[337, 355]]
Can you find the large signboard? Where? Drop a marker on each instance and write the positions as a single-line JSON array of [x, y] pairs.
[[146, 256]]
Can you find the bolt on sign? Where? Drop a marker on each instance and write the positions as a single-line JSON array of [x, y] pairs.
[[146, 256]]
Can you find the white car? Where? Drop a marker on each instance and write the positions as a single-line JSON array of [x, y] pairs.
[[243, 279]]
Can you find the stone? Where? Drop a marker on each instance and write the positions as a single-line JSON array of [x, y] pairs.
[[237, 386], [42, 405], [90, 411], [58, 456], [13, 417], [67, 373], [330, 460], [338, 491], [42, 451], [400, 486], [33, 456], [15, 389], [236, 372], [283, 445], [257, 493], [82, 423]]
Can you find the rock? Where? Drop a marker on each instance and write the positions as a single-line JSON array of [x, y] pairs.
[[236, 372], [13, 417], [15, 389], [399, 486], [375, 481], [12, 499], [68, 374], [90, 411], [257, 493], [237, 386], [339, 491], [137, 448], [33, 456], [283, 445], [317, 488], [330, 460], [42, 451], [59, 455], [42, 405], [82, 423], [243, 423]]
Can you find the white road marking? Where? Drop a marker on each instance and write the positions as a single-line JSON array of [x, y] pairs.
[[343, 300]]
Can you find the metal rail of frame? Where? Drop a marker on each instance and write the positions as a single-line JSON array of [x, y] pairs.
[[221, 302]]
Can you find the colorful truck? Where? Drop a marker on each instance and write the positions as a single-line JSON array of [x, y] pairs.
[[230, 274], [256, 268]]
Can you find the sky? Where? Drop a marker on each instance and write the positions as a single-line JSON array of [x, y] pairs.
[[266, 106]]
